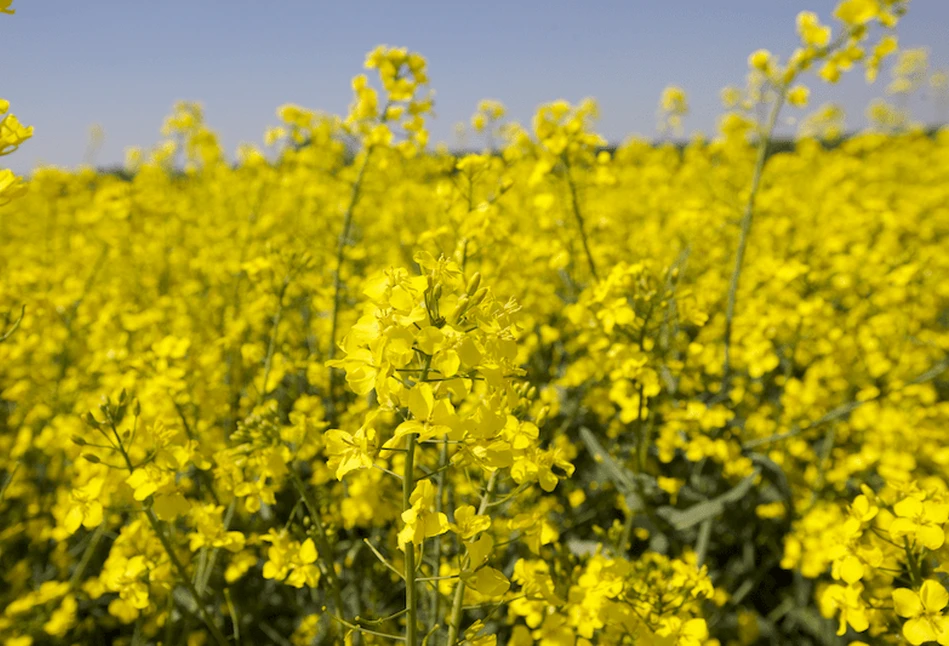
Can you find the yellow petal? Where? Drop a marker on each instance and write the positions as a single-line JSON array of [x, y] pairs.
[[73, 519], [906, 603], [908, 508], [930, 536], [421, 401], [93, 515], [933, 596], [447, 362], [308, 552], [851, 569], [170, 506], [480, 550], [489, 582], [918, 631]]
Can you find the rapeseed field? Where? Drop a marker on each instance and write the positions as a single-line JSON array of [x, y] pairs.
[[358, 389]]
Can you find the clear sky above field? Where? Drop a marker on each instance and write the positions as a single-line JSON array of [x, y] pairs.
[[123, 63]]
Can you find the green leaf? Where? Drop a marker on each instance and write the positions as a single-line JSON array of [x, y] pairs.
[[684, 518], [624, 479]]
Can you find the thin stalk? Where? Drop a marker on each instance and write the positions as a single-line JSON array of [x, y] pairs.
[[87, 556], [408, 484], [322, 544], [439, 507], [6, 335], [183, 575], [746, 220], [914, 572], [575, 203], [202, 583], [454, 622], [411, 600], [341, 245], [272, 344], [172, 555]]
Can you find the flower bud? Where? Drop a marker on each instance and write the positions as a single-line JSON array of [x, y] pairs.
[[542, 416], [460, 308], [473, 283]]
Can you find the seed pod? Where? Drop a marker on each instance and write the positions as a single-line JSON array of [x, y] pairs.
[[78, 440], [91, 458], [460, 308], [473, 283], [479, 296], [542, 416]]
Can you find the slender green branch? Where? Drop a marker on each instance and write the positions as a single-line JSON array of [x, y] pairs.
[[844, 409], [272, 344], [575, 203], [384, 561], [87, 555], [183, 576], [341, 245], [322, 544], [457, 606], [764, 142], [439, 508], [367, 631], [170, 549], [408, 484], [16, 324], [411, 600]]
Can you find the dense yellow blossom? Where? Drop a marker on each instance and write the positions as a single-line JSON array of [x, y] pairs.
[[354, 390]]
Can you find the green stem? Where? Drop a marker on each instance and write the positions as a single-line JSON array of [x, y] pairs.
[[341, 245], [746, 220], [170, 550], [183, 576], [439, 507], [915, 575], [87, 555], [411, 600], [454, 622], [575, 203], [272, 344], [322, 544]]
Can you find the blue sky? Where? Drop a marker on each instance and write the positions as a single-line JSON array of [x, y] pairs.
[[123, 63]]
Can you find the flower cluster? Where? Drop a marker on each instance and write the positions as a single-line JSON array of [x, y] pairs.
[[352, 390]]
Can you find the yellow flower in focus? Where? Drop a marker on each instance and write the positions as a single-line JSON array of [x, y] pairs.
[[350, 451], [848, 602], [488, 582], [692, 632], [86, 510], [921, 520], [11, 186], [468, 523], [420, 521], [924, 613]]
